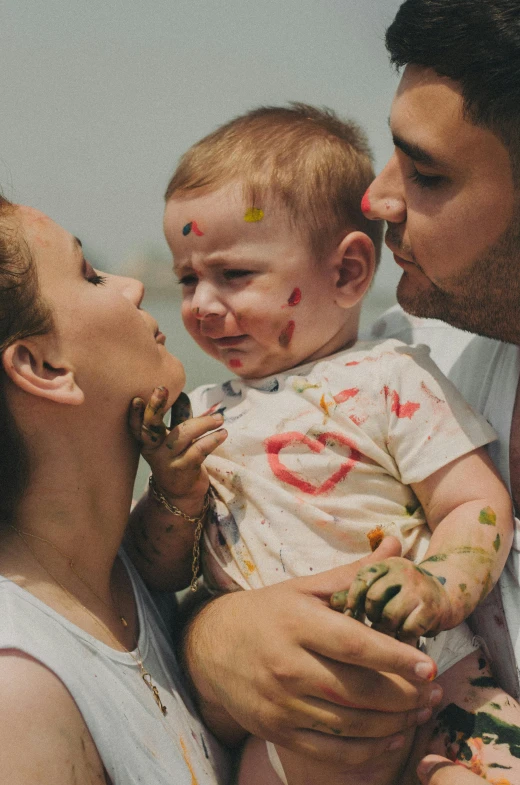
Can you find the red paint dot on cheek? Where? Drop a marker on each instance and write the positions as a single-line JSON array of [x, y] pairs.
[[295, 297], [365, 203], [235, 363]]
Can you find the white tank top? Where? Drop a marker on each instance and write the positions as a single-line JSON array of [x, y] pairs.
[[136, 744]]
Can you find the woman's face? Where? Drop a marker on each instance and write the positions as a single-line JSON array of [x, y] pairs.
[[114, 348]]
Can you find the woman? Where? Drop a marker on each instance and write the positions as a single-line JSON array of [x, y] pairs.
[[89, 691]]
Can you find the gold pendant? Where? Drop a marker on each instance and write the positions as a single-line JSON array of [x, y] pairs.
[[155, 692]]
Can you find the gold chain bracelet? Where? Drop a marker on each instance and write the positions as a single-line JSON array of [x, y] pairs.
[[198, 520]]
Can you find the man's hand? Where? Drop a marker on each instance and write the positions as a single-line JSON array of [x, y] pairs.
[[399, 597], [434, 770], [283, 665]]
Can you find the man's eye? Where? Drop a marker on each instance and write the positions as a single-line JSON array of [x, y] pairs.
[[230, 274], [426, 180], [188, 280]]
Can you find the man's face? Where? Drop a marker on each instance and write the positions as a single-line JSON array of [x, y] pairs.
[[448, 196]]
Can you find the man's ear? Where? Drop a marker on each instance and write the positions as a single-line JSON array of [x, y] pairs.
[[25, 364], [354, 265]]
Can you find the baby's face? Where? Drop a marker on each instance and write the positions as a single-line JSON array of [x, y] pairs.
[[253, 295]]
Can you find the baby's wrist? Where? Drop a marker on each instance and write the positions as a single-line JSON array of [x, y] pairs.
[[190, 506]]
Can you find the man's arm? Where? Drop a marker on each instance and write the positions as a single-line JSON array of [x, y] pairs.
[[279, 663]]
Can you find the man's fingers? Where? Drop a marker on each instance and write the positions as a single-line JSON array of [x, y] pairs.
[[346, 640], [335, 750], [434, 770]]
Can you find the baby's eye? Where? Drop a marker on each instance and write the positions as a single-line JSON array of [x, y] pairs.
[[230, 274], [188, 280], [92, 276]]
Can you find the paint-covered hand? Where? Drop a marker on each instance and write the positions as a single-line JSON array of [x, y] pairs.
[[176, 456], [399, 597], [285, 667], [435, 770]]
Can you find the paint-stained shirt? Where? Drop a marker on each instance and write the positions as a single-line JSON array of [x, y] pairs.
[[319, 461]]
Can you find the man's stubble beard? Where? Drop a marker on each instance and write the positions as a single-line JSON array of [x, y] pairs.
[[484, 300]]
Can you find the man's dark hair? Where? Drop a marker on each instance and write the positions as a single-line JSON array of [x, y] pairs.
[[477, 44]]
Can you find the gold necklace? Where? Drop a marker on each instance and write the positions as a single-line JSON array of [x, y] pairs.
[[146, 677]]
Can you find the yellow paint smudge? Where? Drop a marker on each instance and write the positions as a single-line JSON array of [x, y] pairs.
[[325, 406], [488, 517], [184, 749], [253, 214], [250, 566]]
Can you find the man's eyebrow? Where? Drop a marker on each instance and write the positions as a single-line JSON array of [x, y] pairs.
[[417, 153]]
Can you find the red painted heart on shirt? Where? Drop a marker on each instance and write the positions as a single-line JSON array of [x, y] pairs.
[[274, 444]]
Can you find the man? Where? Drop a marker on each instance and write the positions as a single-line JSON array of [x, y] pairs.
[[277, 660]]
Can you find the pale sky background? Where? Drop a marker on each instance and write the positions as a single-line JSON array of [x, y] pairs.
[[99, 98]]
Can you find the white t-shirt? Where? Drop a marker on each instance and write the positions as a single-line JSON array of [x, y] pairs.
[[486, 372], [321, 457], [136, 744]]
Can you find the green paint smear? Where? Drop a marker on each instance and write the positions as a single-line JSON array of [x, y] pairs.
[[496, 543], [498, 766], [299, 385], [483, 681], [462, 587], [411, 509], [496, 706], [441, 580], [488, 517], [461, 725], [436, 557]]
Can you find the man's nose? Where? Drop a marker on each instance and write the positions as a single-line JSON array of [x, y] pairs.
[[384, 199]]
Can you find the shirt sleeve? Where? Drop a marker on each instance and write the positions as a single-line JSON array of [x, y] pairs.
[[429, 422]]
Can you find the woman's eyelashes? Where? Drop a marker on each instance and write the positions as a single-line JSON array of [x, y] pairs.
[[92, 276]]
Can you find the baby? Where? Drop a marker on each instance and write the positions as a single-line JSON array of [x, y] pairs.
[[332, 443]]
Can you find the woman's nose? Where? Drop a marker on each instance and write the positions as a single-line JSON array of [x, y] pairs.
[[132, 289], [384, 199]]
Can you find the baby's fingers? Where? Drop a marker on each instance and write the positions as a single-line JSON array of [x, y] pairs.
[[361, 584], [180, 411], [180, 438], [194, 456], [153, 429]]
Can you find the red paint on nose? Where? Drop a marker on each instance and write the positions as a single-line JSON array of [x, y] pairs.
[[295, 297], [235, 363], [365, 203]]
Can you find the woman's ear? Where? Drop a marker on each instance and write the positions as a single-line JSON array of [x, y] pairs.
[[355, 264], [25, 364]]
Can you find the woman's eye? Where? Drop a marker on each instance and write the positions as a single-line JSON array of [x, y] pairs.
[[426, 180], [92, 276], [231, 274]]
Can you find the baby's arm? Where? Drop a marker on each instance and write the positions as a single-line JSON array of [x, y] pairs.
[[159, 542], [477, 725], [469, 512]]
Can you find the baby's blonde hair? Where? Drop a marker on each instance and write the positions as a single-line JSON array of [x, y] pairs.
[[314, 164]]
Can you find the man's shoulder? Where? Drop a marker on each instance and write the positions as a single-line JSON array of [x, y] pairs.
[[448, 345]]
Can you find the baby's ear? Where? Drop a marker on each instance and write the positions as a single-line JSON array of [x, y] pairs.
[[354, 267], [26, 364]]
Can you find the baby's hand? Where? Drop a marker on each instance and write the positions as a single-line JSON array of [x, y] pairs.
[[175, 456], [399, 597]]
